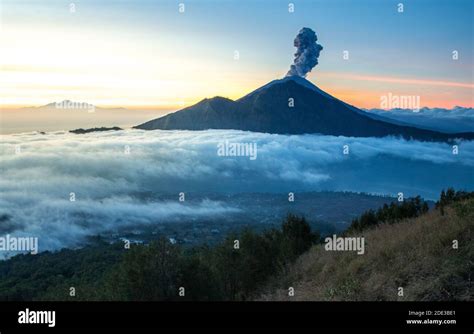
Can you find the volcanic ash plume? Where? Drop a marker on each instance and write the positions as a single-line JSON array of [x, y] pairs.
[[307, 53]]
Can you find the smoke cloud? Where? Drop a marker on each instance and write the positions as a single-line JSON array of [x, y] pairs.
[[307, 53]]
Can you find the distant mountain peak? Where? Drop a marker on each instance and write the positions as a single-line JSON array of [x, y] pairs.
[[72, 105], [293, 78], [291, 105]]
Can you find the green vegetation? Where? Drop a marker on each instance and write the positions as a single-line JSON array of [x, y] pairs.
[[430, 255], [407, 245], [49, 275], [411, 208], [157, 271], [451, 196]]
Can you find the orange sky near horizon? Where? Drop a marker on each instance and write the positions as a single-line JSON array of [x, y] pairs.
[[147, 55], [341, 85]]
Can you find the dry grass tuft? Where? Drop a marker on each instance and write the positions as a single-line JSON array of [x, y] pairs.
[[416, 254]]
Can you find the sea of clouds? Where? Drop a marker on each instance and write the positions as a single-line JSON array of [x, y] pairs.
[[112, 175], [457, 119]]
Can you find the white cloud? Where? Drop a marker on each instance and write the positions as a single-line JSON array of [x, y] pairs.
[[111, 187], [458, 119]]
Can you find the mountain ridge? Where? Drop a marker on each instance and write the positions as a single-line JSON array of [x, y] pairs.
[[291, 105]]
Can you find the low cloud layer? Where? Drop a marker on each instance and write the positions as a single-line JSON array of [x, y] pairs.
[[454, 120], [114, 189]]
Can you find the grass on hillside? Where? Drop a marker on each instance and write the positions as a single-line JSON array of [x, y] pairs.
[[416, 254]]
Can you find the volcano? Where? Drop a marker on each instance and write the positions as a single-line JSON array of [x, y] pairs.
[[292, 105]]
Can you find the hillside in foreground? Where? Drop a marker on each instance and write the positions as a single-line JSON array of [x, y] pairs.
[[415, 254], [407, 245]]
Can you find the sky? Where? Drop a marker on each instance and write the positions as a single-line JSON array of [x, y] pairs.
[[147, 54]]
